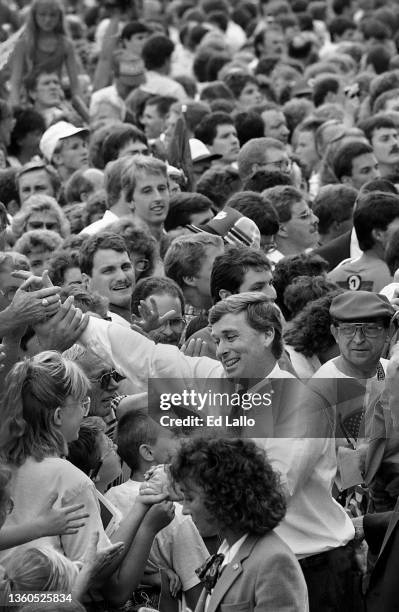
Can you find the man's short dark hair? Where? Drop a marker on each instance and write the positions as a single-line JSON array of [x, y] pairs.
[[375, 211], [257, 208], [98, 242], [248, 125], [339, 25], [266, 179], [207, 129], [156, 51], [343, 159], [161, 103], [120, 136], [76, 185], [155, 285], [323, 85], [138, 242], [182, 206], [218, 184], [59, 263], [288, 268], [283, 198], [379, 104], [334, 203], [229, 269]]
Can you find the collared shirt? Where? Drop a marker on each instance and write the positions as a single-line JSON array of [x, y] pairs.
[[229, 553], [314, 522]]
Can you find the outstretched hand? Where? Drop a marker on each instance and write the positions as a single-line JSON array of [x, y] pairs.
[[149, 316], [35, 300], [63, 329], [194, 347]]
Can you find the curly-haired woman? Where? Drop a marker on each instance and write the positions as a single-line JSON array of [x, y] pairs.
[[229, 485], [309, 340]]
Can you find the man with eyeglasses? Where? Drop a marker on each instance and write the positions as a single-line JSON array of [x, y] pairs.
[[263, 154]]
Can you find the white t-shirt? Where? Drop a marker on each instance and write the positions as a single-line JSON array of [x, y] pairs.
[[178, 546]]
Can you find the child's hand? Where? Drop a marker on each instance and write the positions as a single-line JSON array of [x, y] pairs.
[[160, 515], [60, 521], [96, 561], [174, 582]]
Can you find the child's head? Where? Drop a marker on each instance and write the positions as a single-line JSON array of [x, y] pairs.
[[95, 454], [228, 485], [46, 16], [38, 569], [65, 145], [142, 442]]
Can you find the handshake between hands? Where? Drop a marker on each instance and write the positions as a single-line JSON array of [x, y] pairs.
[[37, 303]]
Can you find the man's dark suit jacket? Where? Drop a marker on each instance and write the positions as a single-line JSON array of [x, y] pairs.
[[336, 250], [382, 535]]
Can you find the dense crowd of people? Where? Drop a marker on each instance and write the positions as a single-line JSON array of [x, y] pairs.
[[199, 288]]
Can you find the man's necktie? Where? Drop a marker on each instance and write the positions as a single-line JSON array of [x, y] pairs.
[[210, 571]]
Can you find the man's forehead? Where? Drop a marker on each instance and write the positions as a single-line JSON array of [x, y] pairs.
[[107, 256], [148, 178], [34, 174], [223, 128], [230, 320]]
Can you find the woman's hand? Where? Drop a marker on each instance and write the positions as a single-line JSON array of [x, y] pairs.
[[159, 516], [60, 521]]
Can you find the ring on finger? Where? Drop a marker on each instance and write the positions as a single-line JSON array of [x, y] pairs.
[[45, 302]]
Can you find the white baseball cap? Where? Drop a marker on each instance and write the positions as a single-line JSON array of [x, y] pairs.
[[199, 151], [55, 133]]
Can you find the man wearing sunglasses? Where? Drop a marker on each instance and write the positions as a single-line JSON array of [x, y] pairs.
[[104, 385]]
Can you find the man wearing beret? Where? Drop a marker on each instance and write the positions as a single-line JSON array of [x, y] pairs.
[[351, 382]]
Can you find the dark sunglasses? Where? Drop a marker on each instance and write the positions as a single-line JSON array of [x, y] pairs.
[[105, 379]]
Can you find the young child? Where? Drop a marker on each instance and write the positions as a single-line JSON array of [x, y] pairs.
[[46, 44], [179, 548]]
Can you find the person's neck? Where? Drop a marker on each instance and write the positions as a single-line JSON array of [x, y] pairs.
[[138, 475], [197, 300], [286, 247], [122, 311], [157, 231], [64, 173], [387, 169], [377, 252], [121, 209], [358, 372], [164, 70], [259, 373], [232, 537]]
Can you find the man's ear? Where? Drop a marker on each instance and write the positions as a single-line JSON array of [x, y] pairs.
[[57, 417], [378, 235], [85, 280], [282, 231], [145, 452], [57, 160], [223, 294], [269, 337], [346, 180], [191, 281], [334, 332]]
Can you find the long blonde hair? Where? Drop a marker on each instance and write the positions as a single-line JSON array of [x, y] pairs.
[[34, 389], [31, 31], [39, 569]]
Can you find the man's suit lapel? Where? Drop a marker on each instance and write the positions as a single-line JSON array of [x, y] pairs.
[[392, 524], [231, 573]]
